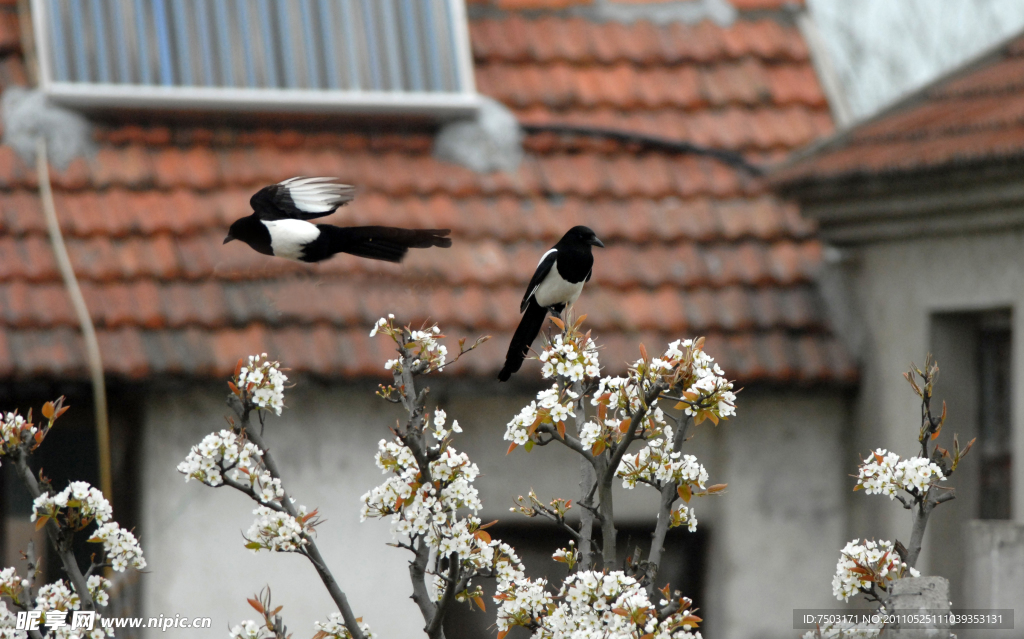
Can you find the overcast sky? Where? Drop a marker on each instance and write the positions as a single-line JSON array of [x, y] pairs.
[[882, 49]]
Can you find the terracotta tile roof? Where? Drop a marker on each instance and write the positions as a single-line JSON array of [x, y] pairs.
[[975, 114], [694, 247]]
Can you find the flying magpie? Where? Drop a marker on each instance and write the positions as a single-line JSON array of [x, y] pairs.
[[278, 225], [556, 283]]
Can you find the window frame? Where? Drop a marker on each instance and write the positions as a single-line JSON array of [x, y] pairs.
[[96, 95]]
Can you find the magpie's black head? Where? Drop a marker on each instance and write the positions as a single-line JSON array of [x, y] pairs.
[[251, 231], [581, 236]]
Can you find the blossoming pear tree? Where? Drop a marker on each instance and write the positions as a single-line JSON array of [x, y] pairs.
[[65, 514], [869, 567], [608, 593], [237, 457], [429, 496]]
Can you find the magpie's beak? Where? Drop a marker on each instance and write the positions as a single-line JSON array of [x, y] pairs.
[[597, 242], [229, 238]]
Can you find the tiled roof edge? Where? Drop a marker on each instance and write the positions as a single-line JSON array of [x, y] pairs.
[[779, 175]]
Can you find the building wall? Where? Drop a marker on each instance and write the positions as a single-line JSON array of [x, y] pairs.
[[907, 294], [775, 533]]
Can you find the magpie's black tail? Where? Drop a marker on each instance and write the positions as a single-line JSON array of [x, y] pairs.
[[527, 331], [375, 242]]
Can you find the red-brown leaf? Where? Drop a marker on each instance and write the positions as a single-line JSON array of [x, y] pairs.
[[685, 493]]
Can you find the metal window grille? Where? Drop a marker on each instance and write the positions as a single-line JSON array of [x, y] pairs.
[[258, 55]]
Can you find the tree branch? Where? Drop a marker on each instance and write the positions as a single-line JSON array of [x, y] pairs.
[[418, 574], [311, 550], [668, 498], [605, 467], [413, 437], [247, 490], [638, 416], [569, 441], [58, 536], [558, 520], [434, 629], [588, 483]]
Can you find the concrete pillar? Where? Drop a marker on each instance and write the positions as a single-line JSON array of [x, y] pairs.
[[995, 569], [917, 595]]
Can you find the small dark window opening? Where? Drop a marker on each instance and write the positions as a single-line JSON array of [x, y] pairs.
[[993, 446]]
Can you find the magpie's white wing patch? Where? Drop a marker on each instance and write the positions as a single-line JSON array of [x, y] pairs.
[[288, 238], [537, 282], [544, 257], [301, 198], [317, 194], [546, 264]]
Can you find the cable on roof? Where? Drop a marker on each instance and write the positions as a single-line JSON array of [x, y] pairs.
[[731, 158]]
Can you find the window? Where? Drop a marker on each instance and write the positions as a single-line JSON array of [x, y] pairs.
[[994, 416], [258, 55], [974, 352]]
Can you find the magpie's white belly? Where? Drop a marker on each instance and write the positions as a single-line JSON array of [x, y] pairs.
[[555, 290], [289, 237]]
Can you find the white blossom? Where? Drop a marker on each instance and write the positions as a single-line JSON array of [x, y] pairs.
[[335, 628], [277, 531], [8, 624], [884, 473], [250, 630], [78, 504], [553, 405], [586, 607], [228, 452], [571, 356], [121, 546], [261, 382], [654, 462], [862, 564], [14, 430]]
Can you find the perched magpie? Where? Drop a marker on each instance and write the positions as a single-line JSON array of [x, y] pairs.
[[556, 283], [278, 225]]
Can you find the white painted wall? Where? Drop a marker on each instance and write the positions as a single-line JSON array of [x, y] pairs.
[[899, 287], [882, 49], [776, 533]]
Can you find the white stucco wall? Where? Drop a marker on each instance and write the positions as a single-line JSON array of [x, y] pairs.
[[775, 534], [899, 287], [882, 49], [778, 531]]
